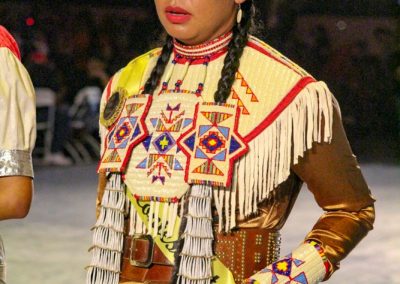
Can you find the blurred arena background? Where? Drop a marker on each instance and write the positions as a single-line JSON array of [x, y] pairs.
[[71, 48]]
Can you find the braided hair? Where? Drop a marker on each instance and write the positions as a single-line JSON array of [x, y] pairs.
[[159, 69], [240, 34], [235, 51]]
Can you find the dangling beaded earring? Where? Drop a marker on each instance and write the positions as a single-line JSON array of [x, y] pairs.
[[239, 15]]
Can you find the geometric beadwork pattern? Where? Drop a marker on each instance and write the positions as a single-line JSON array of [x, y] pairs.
[[164, 142], [249, 96], [128, 132], [212, 144], [305, 265], [282, 270], [157, 165], [161, 160]]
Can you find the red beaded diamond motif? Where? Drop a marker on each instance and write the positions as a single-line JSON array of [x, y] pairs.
[[128, 132], [212, 144]]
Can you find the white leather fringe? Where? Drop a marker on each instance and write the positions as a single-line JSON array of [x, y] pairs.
[[306, 120], [197, 254], [162, 219], [108, 235]]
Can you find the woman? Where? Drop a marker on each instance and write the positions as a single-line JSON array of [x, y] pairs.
[[209, 140], [17, 136]]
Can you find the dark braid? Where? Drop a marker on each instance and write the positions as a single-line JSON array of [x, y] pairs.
[[158, 70], [235, 51]]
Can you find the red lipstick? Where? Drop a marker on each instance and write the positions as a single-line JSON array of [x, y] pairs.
[[177, 15]]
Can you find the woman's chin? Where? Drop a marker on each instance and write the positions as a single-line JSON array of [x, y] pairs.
[[184, 35]]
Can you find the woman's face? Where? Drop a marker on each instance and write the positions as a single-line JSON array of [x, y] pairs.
[[196, 21]]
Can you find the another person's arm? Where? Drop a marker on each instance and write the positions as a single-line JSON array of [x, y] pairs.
[[15, 197], [17, 131]]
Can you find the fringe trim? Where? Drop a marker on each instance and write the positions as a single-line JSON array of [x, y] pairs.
[[158, 224], [108, 235], [196, 255], [307, 119]]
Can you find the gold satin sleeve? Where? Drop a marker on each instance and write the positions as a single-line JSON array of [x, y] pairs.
[[333, 175]]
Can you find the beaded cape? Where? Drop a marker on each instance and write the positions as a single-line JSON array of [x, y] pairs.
[[179, 144]]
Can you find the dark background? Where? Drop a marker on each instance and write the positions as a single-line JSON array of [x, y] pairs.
[[352, 45]]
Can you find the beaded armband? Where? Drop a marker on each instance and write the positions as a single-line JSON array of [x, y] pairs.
[[15, 163]]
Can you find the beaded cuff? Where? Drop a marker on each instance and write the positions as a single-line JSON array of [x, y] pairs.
[[327, 264], [15, 163], [304, 265]]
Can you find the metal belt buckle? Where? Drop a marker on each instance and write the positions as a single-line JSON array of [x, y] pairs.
[[149, 261]]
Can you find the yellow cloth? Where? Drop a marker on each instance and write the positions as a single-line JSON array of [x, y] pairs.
[[17, 116]]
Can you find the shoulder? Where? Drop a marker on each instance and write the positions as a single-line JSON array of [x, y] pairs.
[[145, 58], [129, 80], [269, 56], [7, 41], [268, 84], [132, 73], [15, 82], [270, 76]]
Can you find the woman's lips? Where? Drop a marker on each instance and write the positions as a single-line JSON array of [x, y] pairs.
[[177, 15]]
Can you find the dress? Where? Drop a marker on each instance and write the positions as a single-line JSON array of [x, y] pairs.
[[17, 117], [230, 171]]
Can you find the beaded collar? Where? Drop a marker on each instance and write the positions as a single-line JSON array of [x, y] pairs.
[[211, 49]]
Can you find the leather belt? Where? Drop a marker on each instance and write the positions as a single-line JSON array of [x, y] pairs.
[[144, 262], [243, 252], [143, 252]]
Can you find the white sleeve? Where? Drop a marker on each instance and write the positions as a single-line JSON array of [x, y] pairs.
[[17, 117]]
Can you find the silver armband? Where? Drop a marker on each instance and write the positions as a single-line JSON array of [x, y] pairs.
[[15, 163]]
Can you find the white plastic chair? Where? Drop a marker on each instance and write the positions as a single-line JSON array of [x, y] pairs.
[[46, 100], [87, 98]]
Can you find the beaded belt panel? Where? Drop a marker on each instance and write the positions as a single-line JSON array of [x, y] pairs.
[[247, 251]]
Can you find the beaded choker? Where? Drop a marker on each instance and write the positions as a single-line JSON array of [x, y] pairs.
[[209, 49]]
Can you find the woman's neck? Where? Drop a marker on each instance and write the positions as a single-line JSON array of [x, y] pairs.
[[208, 48]]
